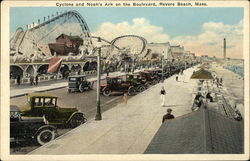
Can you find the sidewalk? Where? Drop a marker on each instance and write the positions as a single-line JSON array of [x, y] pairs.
[[51, 85], [126, 128]]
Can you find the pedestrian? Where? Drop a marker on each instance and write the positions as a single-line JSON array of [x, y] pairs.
[[168, 115], [176, 78], [107, 71], [221, 81], [18, 79], [209, 97], [66, 74], [31, 80], [162, 93], [125, 98], [36, 79], [183, 77], [217, 82]]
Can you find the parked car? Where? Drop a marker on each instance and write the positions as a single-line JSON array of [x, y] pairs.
[[148, 76], [29, 128], [39, 104], [116, 84], [136, 81], [158, 73], [79, 83]]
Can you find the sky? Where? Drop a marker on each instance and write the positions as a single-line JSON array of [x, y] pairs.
[[199, 30]]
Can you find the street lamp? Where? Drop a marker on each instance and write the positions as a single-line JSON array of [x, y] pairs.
[[98, 115], [133, 60]]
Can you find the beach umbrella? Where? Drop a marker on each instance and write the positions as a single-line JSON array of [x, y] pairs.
[[202, 74]]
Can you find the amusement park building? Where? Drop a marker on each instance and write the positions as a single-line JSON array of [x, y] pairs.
[[177, 51], [155, 50], [66, 44]]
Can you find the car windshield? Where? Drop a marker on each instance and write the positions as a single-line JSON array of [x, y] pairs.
[[72, 79], [119, 81]]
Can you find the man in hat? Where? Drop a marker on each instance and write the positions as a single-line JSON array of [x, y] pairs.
[[168, 115]]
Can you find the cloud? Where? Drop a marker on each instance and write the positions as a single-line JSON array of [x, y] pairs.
[[208, 42], [139, 26]]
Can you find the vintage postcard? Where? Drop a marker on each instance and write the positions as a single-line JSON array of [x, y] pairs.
[[124, 80]]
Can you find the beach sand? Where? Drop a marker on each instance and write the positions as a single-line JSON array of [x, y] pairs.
[[232, 88]]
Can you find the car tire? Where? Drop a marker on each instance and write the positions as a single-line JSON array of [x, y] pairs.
[[44, 136], [155, 82], [141, 88], [76, 120], [81, 88], [147, 84], [131, 91], [89, 86], [106, 92]]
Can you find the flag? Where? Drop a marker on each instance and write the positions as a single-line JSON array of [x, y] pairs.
[[54, 65]]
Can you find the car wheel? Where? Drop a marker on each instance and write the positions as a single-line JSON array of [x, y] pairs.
[[155, 81], [147, 85], [44, 136], [76, 120], [89, 86], [106, 92], [131, 91], [141, 88], [81, 88]]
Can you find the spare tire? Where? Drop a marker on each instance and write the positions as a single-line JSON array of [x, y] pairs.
[[44, 136]]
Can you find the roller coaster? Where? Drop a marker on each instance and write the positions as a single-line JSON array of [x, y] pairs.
[[29, 48]]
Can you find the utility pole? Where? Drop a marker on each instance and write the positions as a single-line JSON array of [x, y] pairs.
[[162, 67]]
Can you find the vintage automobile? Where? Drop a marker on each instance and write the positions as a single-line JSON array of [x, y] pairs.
[[158, 74], [136, 81], [41, 104], [35, 129], [79, 83], [149, 77], [116, 84]]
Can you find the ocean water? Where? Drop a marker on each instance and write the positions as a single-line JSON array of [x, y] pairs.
[[238, 69]]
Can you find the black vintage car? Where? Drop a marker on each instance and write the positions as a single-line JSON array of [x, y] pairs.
[[136, 81], [79, 83], [117, 84], [29, 128]]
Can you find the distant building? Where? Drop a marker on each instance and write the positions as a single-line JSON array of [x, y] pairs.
[[66, 44], [155, 50], [177, 51]]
